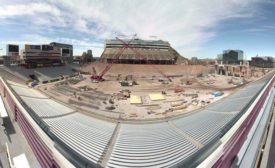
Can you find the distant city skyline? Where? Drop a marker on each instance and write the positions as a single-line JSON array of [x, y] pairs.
[[194, 28]]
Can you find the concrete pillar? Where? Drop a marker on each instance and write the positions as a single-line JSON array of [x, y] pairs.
[[226, 70], [216, 69]]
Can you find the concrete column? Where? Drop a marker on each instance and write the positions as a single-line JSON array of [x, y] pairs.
[[216, 69], [226, 70]]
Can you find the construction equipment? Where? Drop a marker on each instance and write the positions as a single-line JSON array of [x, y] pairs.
[[188, 83], [125, 45], [145, 59], [253, 61], [125, 93], [177, 90], [118, 77], [165, 82], [175, 104], [129, 77], [98, 77], [125, 83], [63, 76]]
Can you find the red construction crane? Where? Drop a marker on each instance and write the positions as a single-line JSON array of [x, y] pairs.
[[125, 45], [253, 61], [147, 61], [99, 77]]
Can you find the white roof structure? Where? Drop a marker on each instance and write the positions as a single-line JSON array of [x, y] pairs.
[[3, 111], [21, 161]]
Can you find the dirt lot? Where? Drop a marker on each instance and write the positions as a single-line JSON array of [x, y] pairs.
[[104, 98], [143, 70]]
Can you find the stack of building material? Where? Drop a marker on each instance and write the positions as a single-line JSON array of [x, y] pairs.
[[178, 107], [156, 97], [174, 104], [135, 99]]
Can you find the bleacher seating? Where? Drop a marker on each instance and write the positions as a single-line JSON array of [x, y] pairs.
[[46, 107], [25, 91], [149, 145], [85, 135], [205, 125], [138, 145], [158, 55]]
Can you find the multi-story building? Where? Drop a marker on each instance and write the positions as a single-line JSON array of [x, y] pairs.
[[66, 51], [89, 56], [231, 56], [263, 62], [40, 55]]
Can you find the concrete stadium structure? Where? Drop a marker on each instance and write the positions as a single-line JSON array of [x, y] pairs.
[[156, 52], [184, 141]]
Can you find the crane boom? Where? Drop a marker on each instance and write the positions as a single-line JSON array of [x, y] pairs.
[[94, 71], [95, 76], [253, 61], [111, 63]]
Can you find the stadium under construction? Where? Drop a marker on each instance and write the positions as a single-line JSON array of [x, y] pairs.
[[139, 52], [142, 106]]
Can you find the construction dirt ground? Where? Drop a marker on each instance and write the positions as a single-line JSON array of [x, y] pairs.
[[149, 97]]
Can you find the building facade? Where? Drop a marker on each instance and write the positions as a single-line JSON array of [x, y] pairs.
[[40, 55], [263, 62], [66, 51], [146, 51], [231, 56]]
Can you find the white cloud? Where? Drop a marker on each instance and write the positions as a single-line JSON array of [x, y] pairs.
[[261, 28], [182, 22], [79, 45], [185, 24], [27, 9]]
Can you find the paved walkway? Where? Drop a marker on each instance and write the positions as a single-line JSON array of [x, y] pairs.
[[12, 135]]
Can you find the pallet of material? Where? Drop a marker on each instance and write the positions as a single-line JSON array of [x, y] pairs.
[[178, 107], [171, 95], [146, 105], [174, 104], [132, 115], [156, 97], [153, 108], [173, 100]]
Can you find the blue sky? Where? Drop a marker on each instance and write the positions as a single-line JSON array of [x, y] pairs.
[[195, 28]]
